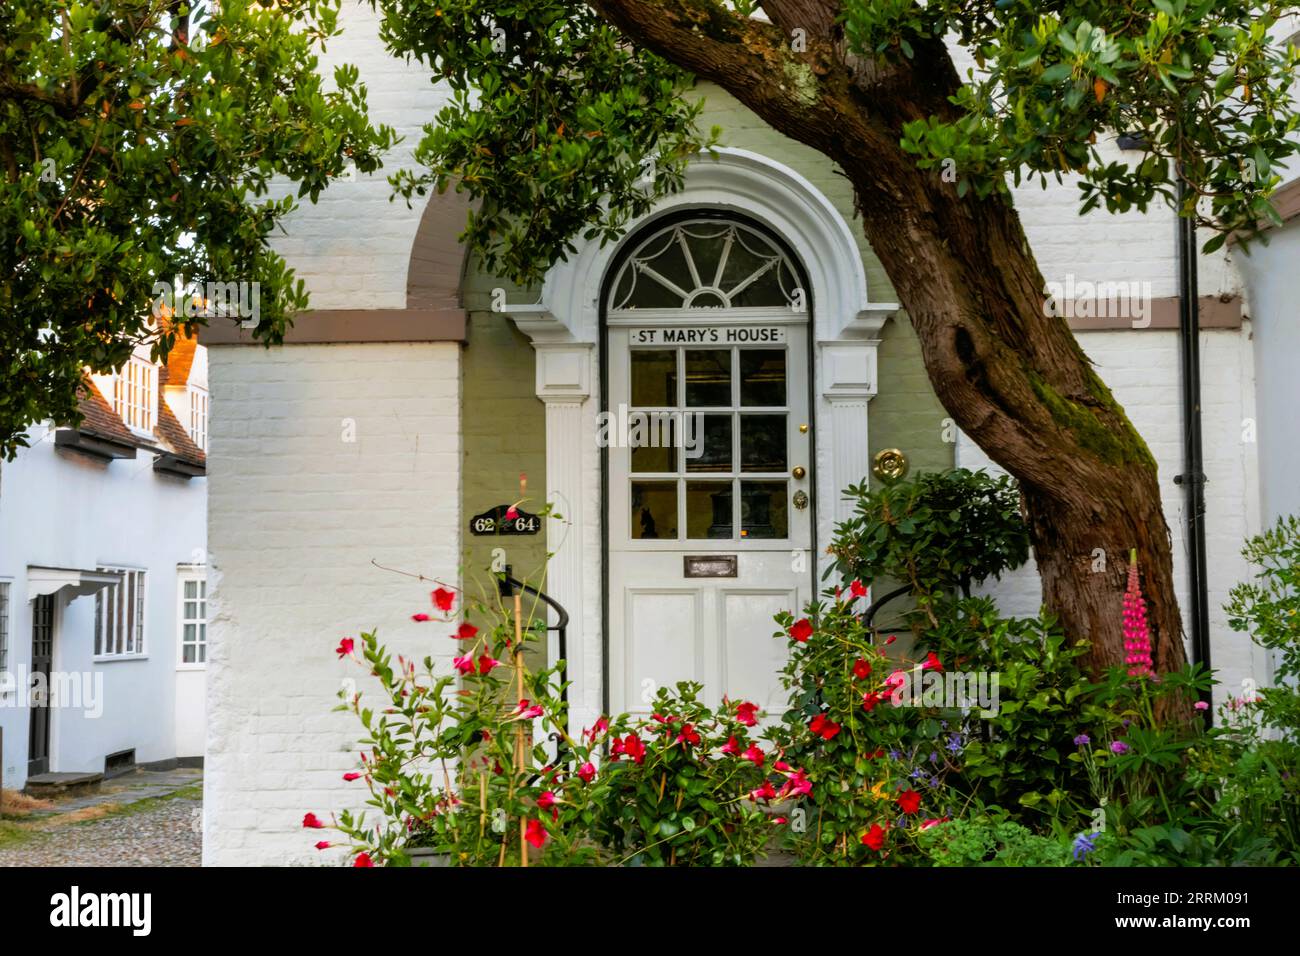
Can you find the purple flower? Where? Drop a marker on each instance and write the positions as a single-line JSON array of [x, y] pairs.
[[934, 757], [895, 755], [1082, 740], [1083, 845], [1119, 747]]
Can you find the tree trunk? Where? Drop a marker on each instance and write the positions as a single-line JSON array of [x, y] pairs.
[[1011, 375]]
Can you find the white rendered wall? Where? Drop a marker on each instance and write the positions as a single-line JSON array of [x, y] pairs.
[[60, 509], [297, 512], [1273, 288]]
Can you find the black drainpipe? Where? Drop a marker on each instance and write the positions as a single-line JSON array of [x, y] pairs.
[[1193, 477]]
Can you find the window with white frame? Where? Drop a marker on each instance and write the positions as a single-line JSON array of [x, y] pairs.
[[135, 394], [119, 615], [4, 629], [199, 417], [194, 616]]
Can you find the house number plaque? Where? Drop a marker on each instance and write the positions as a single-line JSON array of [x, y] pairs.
[[494, 521], [710, 565]]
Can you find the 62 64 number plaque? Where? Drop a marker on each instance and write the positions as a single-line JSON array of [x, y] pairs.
[[494, 522]]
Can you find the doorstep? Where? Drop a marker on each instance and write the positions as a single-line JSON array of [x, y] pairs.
[[45, 786]]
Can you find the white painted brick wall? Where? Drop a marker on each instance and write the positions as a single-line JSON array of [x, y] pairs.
[[1142, 369], [296, 515], [352, 247]]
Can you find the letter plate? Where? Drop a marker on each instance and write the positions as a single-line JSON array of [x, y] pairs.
[[709, 565]]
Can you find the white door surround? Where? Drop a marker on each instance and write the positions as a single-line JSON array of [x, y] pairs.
[[565, 330]]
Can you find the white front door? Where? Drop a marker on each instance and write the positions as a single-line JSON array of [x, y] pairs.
[[710, 536]]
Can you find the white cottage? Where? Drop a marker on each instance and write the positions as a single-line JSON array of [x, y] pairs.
[[412, 397], [103, 540]]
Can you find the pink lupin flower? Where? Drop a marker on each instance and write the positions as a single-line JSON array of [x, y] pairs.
[[1137, 634]]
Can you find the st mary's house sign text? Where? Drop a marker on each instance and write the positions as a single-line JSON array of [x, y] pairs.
[[495, 521]]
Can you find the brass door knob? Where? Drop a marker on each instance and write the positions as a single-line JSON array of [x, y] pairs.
[[798, 471]]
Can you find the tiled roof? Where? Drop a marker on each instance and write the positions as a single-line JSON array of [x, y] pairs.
[[170, 436], [99, 417], [174, 438]]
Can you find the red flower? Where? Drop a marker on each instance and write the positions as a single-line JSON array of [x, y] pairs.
[[754, 754], [420, 618], [858, 589], [861, 669], [798, 784], [463, 664], [875, 837], [536, 833], [765, 792], [323, 845], [932, 663], [345, 647], [732, 746], [466, 631], [587, 772], [826, 729], [349, 777], [486, 663], [443, 599], [546, 800], [512, 513], [363, 860], [745, 713], [801, 630], [688, 736], [633, 748], [890, 640], [909, 801], [869, 701], [311, 823], [526, 712]]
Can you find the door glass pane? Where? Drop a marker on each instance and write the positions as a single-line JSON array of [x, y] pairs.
[[191, 589], [762, 443], [708, 509], [654, 510], [708, 377], [763, 511], [762, 377], [653, 439], [654, 378], [709, 448]]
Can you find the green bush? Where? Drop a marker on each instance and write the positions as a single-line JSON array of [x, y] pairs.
[[984, 841], [936, 532]]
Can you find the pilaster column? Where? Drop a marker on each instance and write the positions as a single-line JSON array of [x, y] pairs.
[[565, 372]]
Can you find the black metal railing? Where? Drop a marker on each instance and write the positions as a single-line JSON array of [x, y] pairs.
[[506, 585]]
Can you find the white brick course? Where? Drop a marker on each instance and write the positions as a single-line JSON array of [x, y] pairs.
[[297, 517]]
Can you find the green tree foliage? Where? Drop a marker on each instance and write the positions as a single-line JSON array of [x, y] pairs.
[[139, 141], [557, 126], [554, 112]]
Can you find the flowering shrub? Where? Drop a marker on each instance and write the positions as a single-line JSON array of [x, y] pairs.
[[683, 788], [876, 771], [463, 765]]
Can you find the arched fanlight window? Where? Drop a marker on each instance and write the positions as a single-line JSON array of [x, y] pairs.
[[707, 264]]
